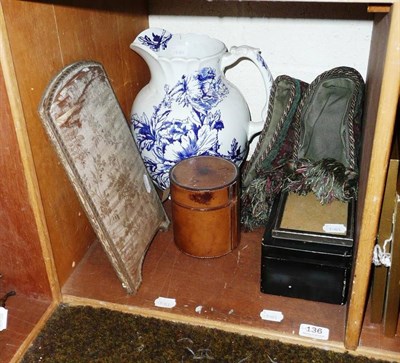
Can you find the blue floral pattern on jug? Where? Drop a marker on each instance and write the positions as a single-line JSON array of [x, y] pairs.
[[189, 108], [158, 41], [171, 139]]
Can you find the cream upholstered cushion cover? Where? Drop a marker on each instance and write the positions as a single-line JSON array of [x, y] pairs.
[[90, 134]]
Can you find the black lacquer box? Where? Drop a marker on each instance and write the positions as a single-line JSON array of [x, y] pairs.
[[307, 249]]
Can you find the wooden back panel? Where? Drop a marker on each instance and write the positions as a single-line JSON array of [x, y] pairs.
[[21, 261]]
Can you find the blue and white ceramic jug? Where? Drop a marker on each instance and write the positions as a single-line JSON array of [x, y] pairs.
[[189, 108]]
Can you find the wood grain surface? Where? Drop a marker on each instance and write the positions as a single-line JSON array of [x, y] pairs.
[[21, 260], [44, 38]]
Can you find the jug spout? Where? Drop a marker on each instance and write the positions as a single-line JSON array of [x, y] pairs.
[[149, 44], [153, 39]]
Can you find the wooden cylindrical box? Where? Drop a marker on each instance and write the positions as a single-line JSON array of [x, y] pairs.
[[205, 216]]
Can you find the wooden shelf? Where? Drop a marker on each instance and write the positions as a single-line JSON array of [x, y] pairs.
[[372, 335], [227, 289], [24, 315]]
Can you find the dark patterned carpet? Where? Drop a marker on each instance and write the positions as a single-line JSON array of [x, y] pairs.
[[86, 334]]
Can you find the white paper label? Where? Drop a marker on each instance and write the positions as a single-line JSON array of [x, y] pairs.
[[3, 318], [334, 228], [165, 302], [315, 332], [271, 315]]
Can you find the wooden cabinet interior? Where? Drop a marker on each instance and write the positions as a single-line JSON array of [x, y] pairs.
[[22, 269], [47, 234], [59, 35]]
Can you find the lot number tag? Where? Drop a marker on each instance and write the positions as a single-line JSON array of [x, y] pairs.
[[3, 318], [315, 332]]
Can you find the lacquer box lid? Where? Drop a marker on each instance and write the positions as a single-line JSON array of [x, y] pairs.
[[303, 218]]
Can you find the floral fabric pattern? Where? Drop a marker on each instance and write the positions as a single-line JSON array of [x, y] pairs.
[[92, 138]]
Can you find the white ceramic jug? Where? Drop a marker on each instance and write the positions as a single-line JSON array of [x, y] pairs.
[[189, 108]]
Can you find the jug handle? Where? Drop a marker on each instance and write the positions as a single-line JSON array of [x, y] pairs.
[[253, 54]]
